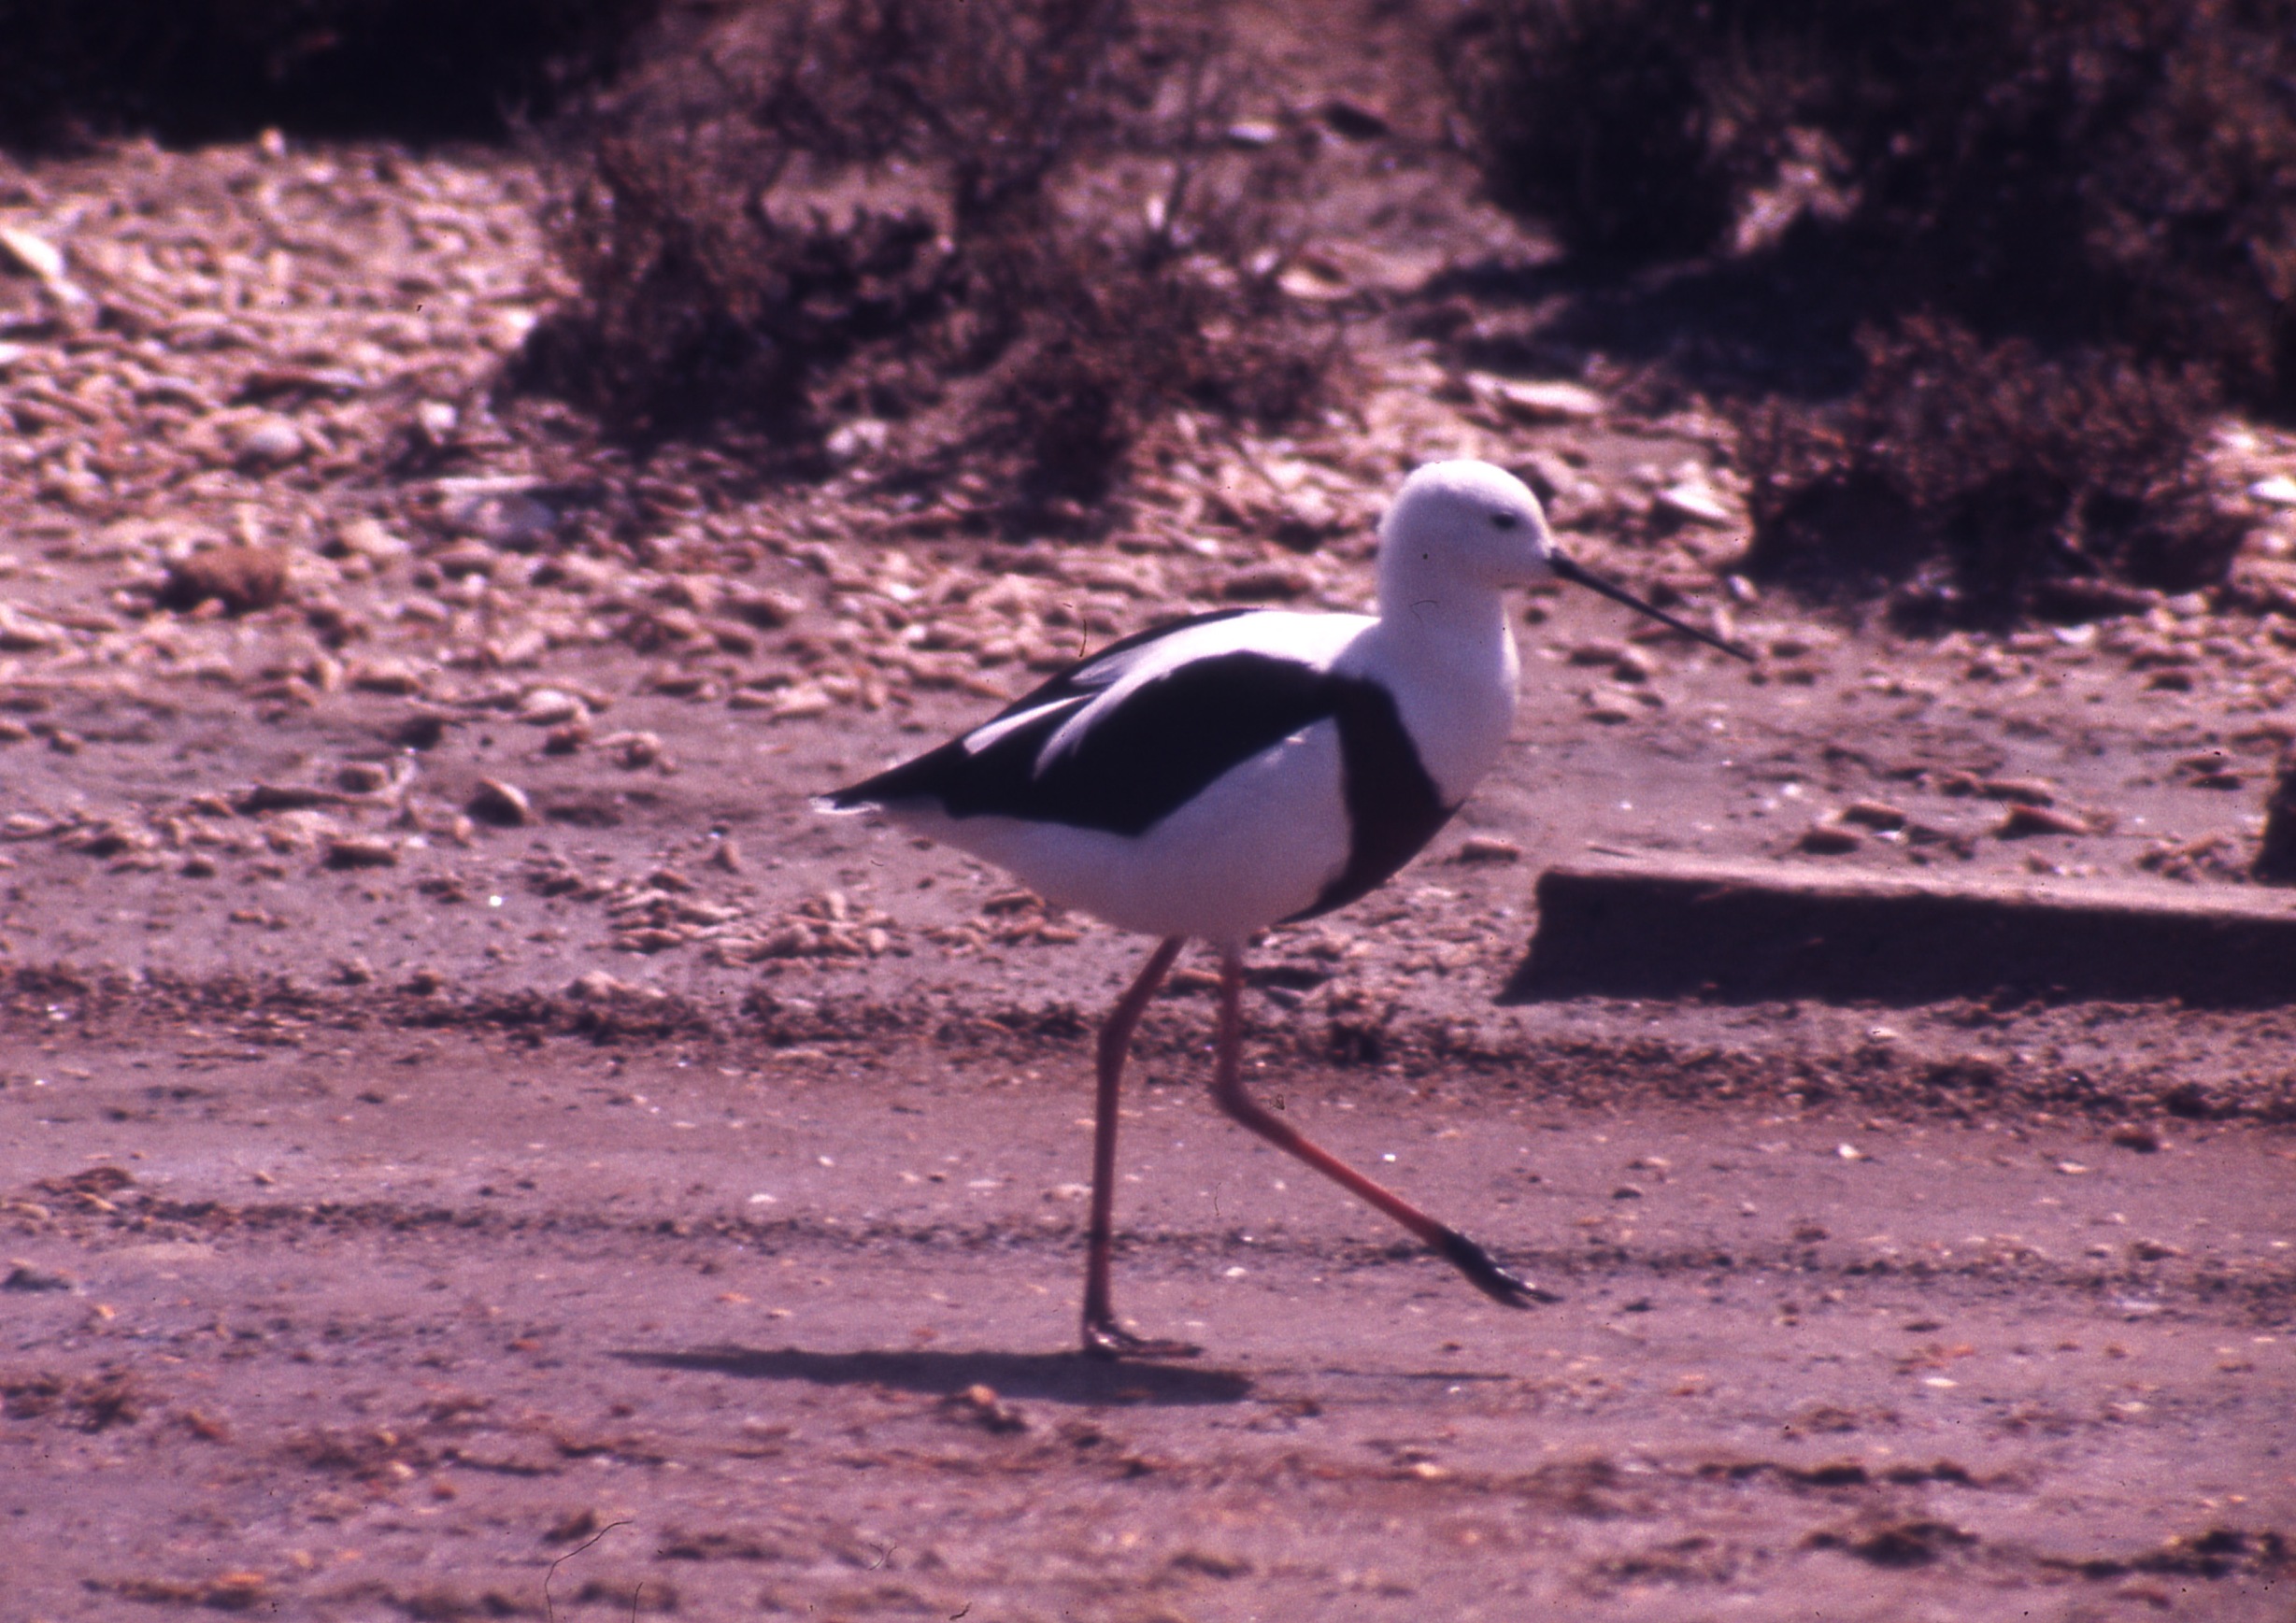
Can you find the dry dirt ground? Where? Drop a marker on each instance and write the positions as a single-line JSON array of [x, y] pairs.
[[474, 1142]]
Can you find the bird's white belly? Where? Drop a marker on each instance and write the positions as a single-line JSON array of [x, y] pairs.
[[1259, 844]]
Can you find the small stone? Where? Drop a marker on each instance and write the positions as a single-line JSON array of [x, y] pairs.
[[981, 1405], [32, 255], [1304, 521], [241, 579], [2027, 790], [361, 851], [2136, 1136], [270, 441], [1488, 848], [2025, 819], [366, 538], [1268, 582], [435, 421], [425, 730], [1353, 119], [464, 558], [514, 522], [385, 675], [1829, 840], [363, 777], [633, 750], [1697, 503], [551, 707], [768, 609], [1530, 402], [1873, 813], [22, 1276], [1598, 652], [504, 805], [23, 633], [2279, 490]]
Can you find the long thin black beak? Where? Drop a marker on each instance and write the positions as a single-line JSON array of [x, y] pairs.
[[1566, 570]]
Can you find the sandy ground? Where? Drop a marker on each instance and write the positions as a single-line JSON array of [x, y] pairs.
[[474, 1142]]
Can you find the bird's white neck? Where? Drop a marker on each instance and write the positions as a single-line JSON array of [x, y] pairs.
[[1444, 645]]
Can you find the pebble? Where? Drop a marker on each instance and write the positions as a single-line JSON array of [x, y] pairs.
[[1829, 840], [2279, 490], [1530, 402], [1268, 582], [240, 578], [2026, 818], [551, 707], [24, 634], [270, 441], [464, 558], [1698, 502], [504, 805], [633, 750], [361, 851], [1873, 813], [1488, 848], [22, 1276], [2024, 790], [385, 675]]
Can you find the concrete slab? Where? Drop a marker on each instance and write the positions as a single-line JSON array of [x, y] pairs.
[[1743, 932]]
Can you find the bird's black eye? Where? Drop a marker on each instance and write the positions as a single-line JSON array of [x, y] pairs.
[[1503, 521]]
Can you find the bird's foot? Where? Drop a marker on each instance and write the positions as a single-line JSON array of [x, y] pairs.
[[1106, 1339], [1487, 1276]]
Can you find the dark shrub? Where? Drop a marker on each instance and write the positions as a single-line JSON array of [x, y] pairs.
[[1008, 230], [194, 70], [2025, 475], [2094, 199]]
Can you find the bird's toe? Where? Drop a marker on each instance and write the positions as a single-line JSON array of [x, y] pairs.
[[1487, 1277], [1112, 1341]]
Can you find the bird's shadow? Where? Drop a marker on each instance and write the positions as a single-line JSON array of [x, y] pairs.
[[1054, 1377]]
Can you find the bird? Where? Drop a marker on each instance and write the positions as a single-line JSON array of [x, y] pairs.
[[1210, 778]]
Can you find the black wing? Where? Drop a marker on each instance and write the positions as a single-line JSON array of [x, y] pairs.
[[1169, 740], [1394, 806], [1136, 764]]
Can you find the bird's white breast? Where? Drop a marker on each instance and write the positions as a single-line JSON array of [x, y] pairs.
[[1259, 845], [1455, 694]]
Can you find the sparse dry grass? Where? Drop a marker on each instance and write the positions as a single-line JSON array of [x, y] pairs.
[[2066, 232], [1008, 238]]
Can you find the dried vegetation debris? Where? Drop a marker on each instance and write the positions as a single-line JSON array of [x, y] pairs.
[[2059, 236], [249, 337], [1981, 479], [996, 243]]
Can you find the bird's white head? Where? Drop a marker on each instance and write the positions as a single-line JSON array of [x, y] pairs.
[[1469, 521], [1462, 533]]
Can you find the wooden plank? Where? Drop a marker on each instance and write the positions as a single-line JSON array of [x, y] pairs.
[[1745, 932]]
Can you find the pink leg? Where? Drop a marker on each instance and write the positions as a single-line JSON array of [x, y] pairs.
[[1103, 1336], [1228, 1090]]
